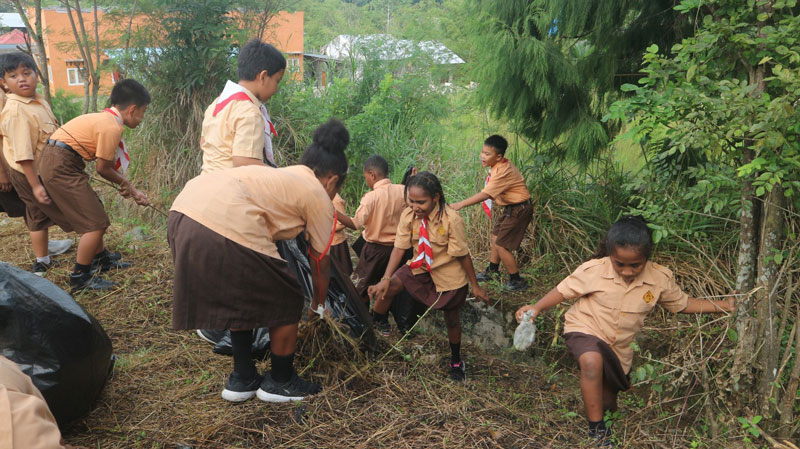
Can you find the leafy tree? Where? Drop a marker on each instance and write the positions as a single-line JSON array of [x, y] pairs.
[[552, 66]]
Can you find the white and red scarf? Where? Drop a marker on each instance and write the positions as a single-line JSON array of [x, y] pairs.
[[425, 252], [122, 160], [235, 92], [487, 204]]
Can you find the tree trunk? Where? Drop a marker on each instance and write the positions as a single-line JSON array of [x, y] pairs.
[[787, 404], [772, 240], [38, 37]]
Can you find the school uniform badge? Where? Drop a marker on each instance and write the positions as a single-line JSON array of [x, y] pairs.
[[648, 297]]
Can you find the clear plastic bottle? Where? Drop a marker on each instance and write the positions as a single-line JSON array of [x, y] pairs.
[[525, 334]]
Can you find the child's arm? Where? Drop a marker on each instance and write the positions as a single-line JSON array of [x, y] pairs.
[[345, 220], [551, 299], [105, 168], [477, 290], [695, 305], [5, 183], [33, 179], [320, 278], [378, 291], [474, 199]]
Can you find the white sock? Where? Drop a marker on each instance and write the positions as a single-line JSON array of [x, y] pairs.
[[45, 259]]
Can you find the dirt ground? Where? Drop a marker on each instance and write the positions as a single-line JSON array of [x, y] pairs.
[[165, 390]]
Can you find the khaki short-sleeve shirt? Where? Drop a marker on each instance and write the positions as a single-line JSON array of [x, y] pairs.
[[612, 311], [379, 211], [448, 238], [338, 204], [256, 205], [506, 184], [25, 123], [237, 130], [25, 420], [93, 136]]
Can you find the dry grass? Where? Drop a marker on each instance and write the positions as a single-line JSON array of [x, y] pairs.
[[166, 384]]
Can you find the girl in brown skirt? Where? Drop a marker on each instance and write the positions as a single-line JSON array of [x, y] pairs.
[[616, 290], [222, 231], [441, 268]]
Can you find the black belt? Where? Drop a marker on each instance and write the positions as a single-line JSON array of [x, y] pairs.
[[61, 144], [528, 201]]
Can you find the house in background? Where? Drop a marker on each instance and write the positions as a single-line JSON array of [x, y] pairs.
[[66, 66]]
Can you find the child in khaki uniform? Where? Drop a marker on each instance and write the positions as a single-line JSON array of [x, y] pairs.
[[237, 129], [25, 124], [506, 186], [616, 291], [340, 251], [441, 268], [75, 206]]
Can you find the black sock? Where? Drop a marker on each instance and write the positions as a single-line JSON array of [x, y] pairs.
[[282, 367], [380, 317], [455, 353], [241, 342], [81, 269], [493, 267], [514, 277], [597, 426]]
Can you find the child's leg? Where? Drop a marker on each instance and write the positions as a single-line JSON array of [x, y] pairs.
[[89, 245], [494, 255], [505, 256], [282, 342], [39, 242], [591, 364], [453, 323], [382, 306], [241, 343], [609, 398]]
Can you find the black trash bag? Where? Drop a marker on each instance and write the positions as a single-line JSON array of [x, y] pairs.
[[260, 347], [55, 341], [406, 311]]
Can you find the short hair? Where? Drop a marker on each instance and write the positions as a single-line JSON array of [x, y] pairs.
[[257, 56], [378, 164], [630, 231], [498, 142], [10, 62], [127, 92], [326, 155]]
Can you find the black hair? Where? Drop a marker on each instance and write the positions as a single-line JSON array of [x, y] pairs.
[[326, 155], [630, 231], [11, 61], [498, 142], [428, 182], [378, 164], [127, 92], [257, 56]]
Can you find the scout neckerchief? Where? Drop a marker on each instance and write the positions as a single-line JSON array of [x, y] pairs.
[[487, 204], [235, 92], [424, 250], [121, 158]]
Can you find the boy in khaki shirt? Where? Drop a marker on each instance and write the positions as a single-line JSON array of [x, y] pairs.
[[616, 291], [506, 186], [25, 123], [237, 129]]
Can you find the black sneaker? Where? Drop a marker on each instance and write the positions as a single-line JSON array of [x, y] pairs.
[[40, 268], [382, 326], [212, 336], [88, 281], [487, 275], [458, 371], [295, 389], [516, 285], [239, 390], [109, 261], [602, 437]]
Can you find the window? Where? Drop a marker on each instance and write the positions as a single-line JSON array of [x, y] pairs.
[[292, 65], [74, 76]]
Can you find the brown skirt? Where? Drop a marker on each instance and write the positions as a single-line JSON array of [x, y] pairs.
[[35, 218], [340, 254], [371, 266], [613, 375], [220, 284], [76, 206], [421, 287], [512, 224]]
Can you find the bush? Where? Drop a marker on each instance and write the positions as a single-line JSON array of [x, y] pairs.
[[66, 106]]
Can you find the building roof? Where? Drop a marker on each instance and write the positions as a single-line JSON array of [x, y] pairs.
[[13, 37], [387, 48], [11, 20]]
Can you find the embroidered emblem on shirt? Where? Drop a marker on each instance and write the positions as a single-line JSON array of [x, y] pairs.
[[441, 230], [648, 297]]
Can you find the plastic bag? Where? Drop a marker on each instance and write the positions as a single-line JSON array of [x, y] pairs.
[[55, 341], [525, 334]]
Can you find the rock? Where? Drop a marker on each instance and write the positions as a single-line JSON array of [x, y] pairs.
[[482, 326], [138, 234]]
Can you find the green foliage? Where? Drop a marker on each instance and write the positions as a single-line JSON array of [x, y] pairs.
[[66, 106]]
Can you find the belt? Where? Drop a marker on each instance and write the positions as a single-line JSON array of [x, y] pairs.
[[528, 201], [61, 144]]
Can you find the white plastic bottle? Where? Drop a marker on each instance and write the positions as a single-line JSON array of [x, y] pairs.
[[525, 333]]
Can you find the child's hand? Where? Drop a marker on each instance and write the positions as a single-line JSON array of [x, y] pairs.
[[457, 206], [5, 185], [41, 194], [480, 293], [139, 197], [125, 189], [378, 291], [729, 305], [521, 312]]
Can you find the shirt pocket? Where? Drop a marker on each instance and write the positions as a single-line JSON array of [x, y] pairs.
[[634, 310]]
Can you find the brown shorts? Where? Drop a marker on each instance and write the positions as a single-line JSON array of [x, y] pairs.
[[371, 266], [76, 207], [220, 284], [421, 287], [613, 375], [340, 254], [512, 224], [35, 218]]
